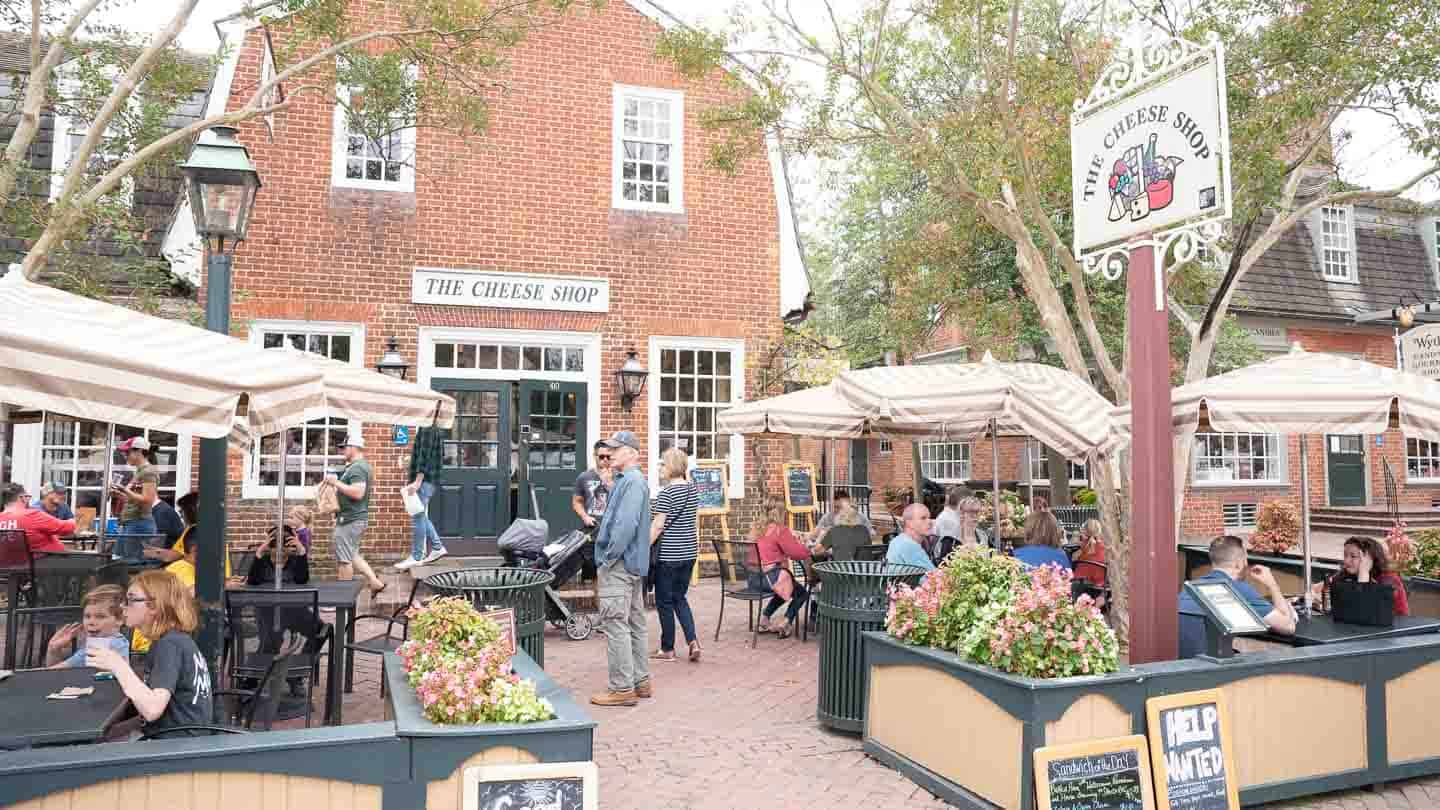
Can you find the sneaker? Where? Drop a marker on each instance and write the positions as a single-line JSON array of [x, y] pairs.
[[433, 556], [613, 698], [644, 689], [406, 564]]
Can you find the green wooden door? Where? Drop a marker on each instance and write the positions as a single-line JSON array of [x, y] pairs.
[[554, 450], [1345, 468], [472, 502]]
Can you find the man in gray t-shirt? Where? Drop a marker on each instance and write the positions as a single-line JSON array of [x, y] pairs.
[[592, 489], [352, 491]]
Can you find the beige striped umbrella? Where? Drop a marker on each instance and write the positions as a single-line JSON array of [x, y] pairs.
[[92, 360], [1306, 393], [816, 412], [966, 400]]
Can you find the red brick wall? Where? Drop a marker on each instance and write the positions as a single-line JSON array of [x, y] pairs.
[[532, 195]]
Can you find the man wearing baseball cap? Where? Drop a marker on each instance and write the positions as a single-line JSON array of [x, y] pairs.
[[140, 494], [352, 489], [622, 557], [52, 502]]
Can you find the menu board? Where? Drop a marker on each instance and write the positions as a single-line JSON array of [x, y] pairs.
[[800, 487], [709, 480], [1227, 607], [1194, 758], [1108, 774]]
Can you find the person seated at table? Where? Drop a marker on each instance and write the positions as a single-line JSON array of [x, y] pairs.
[[102, 616], [778, 547], [1042, 542], [849, 517], [841, 505], [189, 506], [1229, 563], [295, 570], [52, 502], [1092, 551], [1367, 563], [176, 690], [908, 547], [182, 569], [42, 531], [168, 522]]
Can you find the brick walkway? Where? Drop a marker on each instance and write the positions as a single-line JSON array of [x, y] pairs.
[[738, 731]]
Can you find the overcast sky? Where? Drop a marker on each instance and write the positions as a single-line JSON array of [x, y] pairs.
[[1374, 157]]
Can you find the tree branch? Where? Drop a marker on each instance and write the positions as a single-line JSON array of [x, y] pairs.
[[1192, 326]]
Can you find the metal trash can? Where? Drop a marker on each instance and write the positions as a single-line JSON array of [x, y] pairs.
[[854, 597], [497, 588]]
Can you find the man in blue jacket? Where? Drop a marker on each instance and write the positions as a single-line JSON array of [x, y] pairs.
[[622, 557]]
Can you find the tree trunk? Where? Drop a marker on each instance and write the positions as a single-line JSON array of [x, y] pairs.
[[1117, 548], [1059, 474]]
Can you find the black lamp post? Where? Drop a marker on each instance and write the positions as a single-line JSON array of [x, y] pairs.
[[631, 377], [392, 363], [221, 183]]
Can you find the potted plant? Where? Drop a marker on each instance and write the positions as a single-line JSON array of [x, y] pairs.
[[1277, 528], [1013, 513]]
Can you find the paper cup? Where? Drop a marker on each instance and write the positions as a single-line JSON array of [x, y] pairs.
[[94, 645]]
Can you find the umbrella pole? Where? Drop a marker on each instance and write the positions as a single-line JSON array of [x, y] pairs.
[[1305, 525], [278, 555], [995, 484], [105, 485]]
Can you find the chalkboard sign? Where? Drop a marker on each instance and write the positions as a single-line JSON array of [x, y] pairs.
[[1194, 758], [553, 786], [1108, 774], [800, 487], [709, 480]]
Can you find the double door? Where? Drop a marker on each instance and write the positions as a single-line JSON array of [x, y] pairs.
[[515, 451]]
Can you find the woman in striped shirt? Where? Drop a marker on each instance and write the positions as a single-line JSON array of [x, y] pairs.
[[673, 526]]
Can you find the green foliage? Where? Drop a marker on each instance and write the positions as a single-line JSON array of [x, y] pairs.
[[951, 599], [1424, 560], [1085, 496]]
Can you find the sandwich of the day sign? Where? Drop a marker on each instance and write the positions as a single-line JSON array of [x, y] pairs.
[[1149, 148]]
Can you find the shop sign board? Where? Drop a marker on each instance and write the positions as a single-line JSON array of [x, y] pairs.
[[474, 288]]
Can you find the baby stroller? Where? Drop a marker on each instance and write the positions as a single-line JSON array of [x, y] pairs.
[[523, 545]]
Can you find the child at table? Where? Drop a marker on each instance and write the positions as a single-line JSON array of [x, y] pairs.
[[103, 616]]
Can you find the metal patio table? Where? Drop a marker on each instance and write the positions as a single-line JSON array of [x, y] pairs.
[[26, 716], [1322, 629]]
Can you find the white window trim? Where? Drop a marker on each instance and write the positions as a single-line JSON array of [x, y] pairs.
[[1030, 446], [29, 455], [677, 148], [1319, 238], [1283, 479], [339, 144], [250, 487], [1415, 480], [921, 450], [588, 341], [60, 137], [736, 347]]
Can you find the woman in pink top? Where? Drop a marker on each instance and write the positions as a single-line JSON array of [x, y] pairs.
[[778, 546]]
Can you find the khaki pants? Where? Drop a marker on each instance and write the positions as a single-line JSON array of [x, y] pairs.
[[622, 617]]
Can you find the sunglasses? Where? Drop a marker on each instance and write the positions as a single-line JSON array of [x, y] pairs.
[[605, 457]]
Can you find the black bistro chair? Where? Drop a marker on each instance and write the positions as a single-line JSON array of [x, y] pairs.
[[844, 541], [262, 621], [238, 711], [741, 578], [871, 553], [1083, 585], [388, 641]]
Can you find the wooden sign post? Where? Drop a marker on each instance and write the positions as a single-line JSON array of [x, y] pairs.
[[1109, 774], [800, 498], [712, 493], [1193, 753]]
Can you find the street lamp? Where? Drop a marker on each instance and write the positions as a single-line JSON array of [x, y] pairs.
[[631, 376], [221, 184], [392, 364]]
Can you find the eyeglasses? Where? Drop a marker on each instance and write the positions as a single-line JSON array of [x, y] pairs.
[[136, 600], [602, 458]]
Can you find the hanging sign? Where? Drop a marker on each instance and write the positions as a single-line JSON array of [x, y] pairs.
[[1109, 774], [1190, 744], [1149, 148], [1420, 348]]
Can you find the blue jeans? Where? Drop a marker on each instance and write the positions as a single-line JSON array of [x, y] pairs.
[[423, 530], [672, 581], [142, 526]]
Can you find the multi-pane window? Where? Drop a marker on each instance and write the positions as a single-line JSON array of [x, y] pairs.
[[695, 384], [1239, 515], [73, 454], [1226, 457], [1422, 459], [886, 447], [317, 447], [945, 461], [474, 442], [648, 149], [1039, 456], [553, 421], [71, 127], [509, 356], [1335, 247], [373, 160]]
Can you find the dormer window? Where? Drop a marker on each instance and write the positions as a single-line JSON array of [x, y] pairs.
[[1337, 243]]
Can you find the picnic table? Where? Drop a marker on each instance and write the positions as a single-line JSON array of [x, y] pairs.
[[27, 717]]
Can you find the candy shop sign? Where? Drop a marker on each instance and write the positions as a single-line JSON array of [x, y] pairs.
[[1149, 149]]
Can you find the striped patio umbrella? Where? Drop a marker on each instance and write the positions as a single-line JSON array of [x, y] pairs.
[[816, 412], [1306, 393]]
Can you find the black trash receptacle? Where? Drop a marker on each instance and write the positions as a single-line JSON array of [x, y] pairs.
[[854, 597], [497, 588]]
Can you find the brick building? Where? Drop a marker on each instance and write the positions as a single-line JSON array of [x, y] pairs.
[[1314, 288], [515, 271]]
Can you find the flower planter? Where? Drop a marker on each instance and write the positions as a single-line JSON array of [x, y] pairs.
[[1307, 720]]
